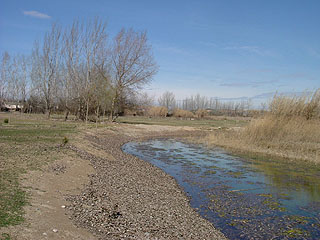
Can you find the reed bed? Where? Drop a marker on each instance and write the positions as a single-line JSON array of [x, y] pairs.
[[290, 129]]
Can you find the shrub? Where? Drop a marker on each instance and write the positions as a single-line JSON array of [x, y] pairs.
[[65, 140], [201, 113], [158, 112], [6, 120], [182, 113]]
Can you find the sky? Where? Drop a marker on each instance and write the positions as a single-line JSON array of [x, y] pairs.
[[224, 48]]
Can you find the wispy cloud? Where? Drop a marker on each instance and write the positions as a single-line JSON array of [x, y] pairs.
[[252, 49], [298, 76], [172, 49], [36, 14], [253, 84]]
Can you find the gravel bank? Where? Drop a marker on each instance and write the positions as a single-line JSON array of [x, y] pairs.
[[128, 198]]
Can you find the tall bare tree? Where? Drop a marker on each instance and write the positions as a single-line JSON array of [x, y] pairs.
[[4, 76], [46, 66], [71, 81], [132, 64], [167, 99], [94, 40]]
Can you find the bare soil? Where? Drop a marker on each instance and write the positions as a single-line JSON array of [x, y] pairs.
[[45, 215], [98, 192]]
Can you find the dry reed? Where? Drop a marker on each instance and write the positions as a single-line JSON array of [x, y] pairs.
[[182, 113], [291, 129], [158, 112]]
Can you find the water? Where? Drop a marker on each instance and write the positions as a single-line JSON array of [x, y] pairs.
[[244, 198]]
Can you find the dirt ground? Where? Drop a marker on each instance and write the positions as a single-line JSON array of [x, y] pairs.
[[46, 215]]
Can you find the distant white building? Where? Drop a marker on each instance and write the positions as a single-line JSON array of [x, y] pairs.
[[12, 107]]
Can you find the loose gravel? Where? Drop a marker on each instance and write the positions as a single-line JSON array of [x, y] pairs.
[[128, 198]]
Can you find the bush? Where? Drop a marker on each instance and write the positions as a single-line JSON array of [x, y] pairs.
[[158, 112], [65, 140], [182, 113], [6, 120], [201, 113]]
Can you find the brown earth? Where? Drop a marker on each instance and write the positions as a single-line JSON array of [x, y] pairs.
[[98, 192]]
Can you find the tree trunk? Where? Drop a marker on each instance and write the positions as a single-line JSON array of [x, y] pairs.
[[97, 115], [66, 115], [87, 112], [112, 109]]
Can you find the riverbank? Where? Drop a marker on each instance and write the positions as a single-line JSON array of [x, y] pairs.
[[236, 140], [67, 180], [290, 130], [129, 198]]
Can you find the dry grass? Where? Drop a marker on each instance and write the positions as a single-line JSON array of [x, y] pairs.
[[158, 112], [307, 106], [201, 113], [291, 129], [180, 113]]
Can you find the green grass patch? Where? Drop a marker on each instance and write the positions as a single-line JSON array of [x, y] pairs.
[[12, 199]]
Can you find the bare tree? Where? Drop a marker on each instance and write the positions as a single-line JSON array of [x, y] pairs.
[[4, 76], [45, 66], [132, 65], [167, 99], [18, 77], [94, 40], [71, 81], [75, 70]]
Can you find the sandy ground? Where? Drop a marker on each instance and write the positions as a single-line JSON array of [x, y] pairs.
[[45, 215], [98, 192]]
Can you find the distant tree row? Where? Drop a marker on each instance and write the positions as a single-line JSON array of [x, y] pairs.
[[198, 102], [78, 70]]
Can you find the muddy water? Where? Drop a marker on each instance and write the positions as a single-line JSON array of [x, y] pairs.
[[244, 198]]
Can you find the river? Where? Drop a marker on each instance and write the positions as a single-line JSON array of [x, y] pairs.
[[244, 198]]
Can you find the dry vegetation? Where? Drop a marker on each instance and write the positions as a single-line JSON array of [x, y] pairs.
[[180, 113], [290, 130], [158, 112]]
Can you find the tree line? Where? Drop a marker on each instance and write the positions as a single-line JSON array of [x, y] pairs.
[[197, 102], [78, 69]]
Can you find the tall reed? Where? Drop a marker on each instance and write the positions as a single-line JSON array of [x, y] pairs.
[[291, 128]]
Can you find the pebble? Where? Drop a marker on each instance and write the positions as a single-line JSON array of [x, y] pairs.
[[129, 197]]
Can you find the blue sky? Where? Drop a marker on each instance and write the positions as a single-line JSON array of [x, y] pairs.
[[216, 48]]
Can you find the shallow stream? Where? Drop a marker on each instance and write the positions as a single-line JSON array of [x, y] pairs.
[[244, 198]]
